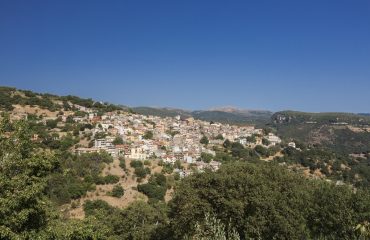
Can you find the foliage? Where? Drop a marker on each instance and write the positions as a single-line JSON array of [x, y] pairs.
[[136, 164], [155, 188], [148, 135], [212, 228], [206, 157], [118, 140], [219, 137], [140, 171], [77, 174], [23, 177], [265, 201], [122, 163], [204, 140], [139, 221], [109, 179], [117, 191], [167, 168]]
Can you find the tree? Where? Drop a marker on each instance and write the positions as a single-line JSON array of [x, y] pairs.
[[117, 191], [219, 137], [265, 142], [212, 228], [148, 135], [118, 140], [51, 124], [227, 144], [140, 221], [262, 150], [23, 178], [252, 139], [266, 201], [206, 157], [204, 140]]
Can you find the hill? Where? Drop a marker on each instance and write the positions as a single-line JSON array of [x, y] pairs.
[[222, 115], [11, 97], [162, 112], [341, 132]]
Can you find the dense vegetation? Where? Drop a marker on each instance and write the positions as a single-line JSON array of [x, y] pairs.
[[326, 129], [265, 201], [12, 96]]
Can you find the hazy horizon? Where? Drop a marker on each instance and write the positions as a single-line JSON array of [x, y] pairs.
[[266, 55]]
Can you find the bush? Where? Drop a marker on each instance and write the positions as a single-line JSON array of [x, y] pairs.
[[141, 172], [109, 179], [136, 164], [122, 163], [117, 191], [167, 168], [153, 191], [90, 207]]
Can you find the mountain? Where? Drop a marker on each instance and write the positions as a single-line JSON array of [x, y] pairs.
[[222, 115], [162, 112]]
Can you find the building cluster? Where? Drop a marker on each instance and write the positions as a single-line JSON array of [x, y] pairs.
[[168, 139]]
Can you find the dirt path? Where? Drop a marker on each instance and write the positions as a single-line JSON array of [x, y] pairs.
[[278, 154]]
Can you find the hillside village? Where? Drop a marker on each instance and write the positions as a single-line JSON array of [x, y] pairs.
[[109, 158], [140, 137]]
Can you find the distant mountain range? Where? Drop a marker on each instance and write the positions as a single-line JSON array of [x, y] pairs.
[[224, 115]]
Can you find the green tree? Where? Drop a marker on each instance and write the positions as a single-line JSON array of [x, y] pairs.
[[204, 140], [219, 137], [117, 191], [206, 157], [51, 124], [118, 140], [265, 201], [140, 221], [212, 228], [227, 144], [148, 135], [23, 178], [265, 142]]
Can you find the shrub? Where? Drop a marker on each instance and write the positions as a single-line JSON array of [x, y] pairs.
[[117, 191]]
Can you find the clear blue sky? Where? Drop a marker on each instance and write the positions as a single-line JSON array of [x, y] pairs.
[[302, 55]]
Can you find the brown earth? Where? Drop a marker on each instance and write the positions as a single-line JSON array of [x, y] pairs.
[[127, 180]]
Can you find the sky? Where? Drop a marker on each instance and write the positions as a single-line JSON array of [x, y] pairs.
[[195, 54]]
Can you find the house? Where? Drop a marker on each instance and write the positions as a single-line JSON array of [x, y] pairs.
[[169, 159], [138, 153], [188, 159], [102, 143], [273, 139], [243, 141], [292, 144], [83, 150]]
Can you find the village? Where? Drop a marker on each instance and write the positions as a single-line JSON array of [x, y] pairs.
[[166, 139]]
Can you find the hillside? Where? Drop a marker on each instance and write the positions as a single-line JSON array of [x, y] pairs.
[[162, 112], [223, 115], [11, 97], [92, 170], [341, 132]]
